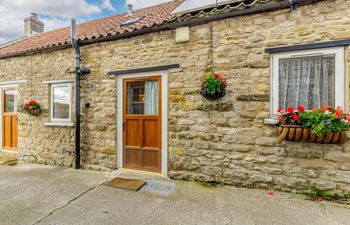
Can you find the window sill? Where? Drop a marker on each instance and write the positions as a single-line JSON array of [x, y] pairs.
[[59, 124], [271, 121]]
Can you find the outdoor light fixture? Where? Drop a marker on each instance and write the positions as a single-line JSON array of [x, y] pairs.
[[83, 71]]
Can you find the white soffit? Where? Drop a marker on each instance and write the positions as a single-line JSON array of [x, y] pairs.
[[195, 5]]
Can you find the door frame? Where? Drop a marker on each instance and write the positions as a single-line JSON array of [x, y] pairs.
[[2, 88], [164, 116]]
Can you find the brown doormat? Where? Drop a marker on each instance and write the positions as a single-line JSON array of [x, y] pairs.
[[126, 184], [7, 158]]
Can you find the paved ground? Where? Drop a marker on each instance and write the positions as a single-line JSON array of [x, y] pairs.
[[33, 194]]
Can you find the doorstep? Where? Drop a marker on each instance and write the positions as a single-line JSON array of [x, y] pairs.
[[7, 158], [137, 174]]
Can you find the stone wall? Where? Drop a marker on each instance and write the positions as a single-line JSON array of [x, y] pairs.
[[224, 141], [227, 141]]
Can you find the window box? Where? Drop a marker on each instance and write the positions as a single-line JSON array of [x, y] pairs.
[[299, 134]]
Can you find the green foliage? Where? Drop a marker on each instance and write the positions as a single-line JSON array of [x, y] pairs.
[[321, 122], [212, 84]]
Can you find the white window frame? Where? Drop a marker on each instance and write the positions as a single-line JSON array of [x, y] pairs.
[[339, 73], [55, 120]]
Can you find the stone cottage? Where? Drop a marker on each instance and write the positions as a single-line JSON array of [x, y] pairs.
[[140, 105]]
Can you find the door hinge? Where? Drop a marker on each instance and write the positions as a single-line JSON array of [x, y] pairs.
[[124, 126]]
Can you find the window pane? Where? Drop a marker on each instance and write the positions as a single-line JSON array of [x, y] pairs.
[[308, 81], [10, 97], [142, 98], [61, 100]]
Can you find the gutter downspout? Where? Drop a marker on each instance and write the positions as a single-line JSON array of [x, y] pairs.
[[77, 93]]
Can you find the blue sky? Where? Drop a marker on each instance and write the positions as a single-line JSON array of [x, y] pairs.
[[57, 13]]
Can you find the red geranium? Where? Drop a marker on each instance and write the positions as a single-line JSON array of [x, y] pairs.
[[290, 110], [213, 83], [295, 117], [324, 108], [32, 102], [338, 114], [301, 108]]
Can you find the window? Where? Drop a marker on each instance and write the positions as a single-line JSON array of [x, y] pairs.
[[10, 101], [312, 78], [61, 102], [142, 97]]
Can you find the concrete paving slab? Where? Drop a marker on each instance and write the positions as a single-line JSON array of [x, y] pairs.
[[29, 192], [54, 196]]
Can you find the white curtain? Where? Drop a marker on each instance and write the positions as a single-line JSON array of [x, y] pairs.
[[151, 97], [130, 96], [307, 81]]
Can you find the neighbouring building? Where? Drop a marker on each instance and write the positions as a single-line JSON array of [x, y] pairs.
[[141, 107]]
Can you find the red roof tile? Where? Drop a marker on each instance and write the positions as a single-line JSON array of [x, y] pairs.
[[99, 28]]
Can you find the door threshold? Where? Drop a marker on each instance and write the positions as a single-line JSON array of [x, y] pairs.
[[9, 151], [138, 174]]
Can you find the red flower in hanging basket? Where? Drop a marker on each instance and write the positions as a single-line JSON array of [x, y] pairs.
[[31, 107], [32, 102], [213, 86]]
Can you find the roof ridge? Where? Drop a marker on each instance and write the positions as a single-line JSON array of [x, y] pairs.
[[85, 22]]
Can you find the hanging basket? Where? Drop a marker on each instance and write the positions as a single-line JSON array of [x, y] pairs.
[[300, 134], [217, 95], [35, 112]]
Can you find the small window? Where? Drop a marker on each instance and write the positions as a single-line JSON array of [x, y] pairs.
[[142, 97], [10, 101], [61, 102], [309, 78]]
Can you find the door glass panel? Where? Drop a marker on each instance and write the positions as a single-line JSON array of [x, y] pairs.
[[142, 98], [10, 99]]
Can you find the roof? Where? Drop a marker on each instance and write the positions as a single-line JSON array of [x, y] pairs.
[[108, 26], [154, 18]]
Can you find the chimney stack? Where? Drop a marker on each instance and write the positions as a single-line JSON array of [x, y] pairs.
[[32, 25], [130, 9]]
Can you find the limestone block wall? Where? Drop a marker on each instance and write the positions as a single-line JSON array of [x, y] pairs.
[[36, 142], [227, 141], [223, 141]]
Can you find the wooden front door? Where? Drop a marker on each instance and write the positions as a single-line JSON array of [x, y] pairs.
[[142, 123], [9, 119]]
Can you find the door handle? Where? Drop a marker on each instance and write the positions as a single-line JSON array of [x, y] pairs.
[[124, 126]]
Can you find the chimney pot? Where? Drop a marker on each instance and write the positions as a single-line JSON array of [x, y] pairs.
[[32, 25], [130, 9], [34, 15]]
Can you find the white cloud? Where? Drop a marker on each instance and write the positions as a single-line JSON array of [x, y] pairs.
[[145, 3], [106, 4], [54, 13]]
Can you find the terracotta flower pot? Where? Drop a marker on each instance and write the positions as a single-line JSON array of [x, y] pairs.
[[35, 112], [204, 92], [300, 134]]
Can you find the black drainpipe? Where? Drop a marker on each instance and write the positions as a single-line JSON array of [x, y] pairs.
[[78, 72]]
